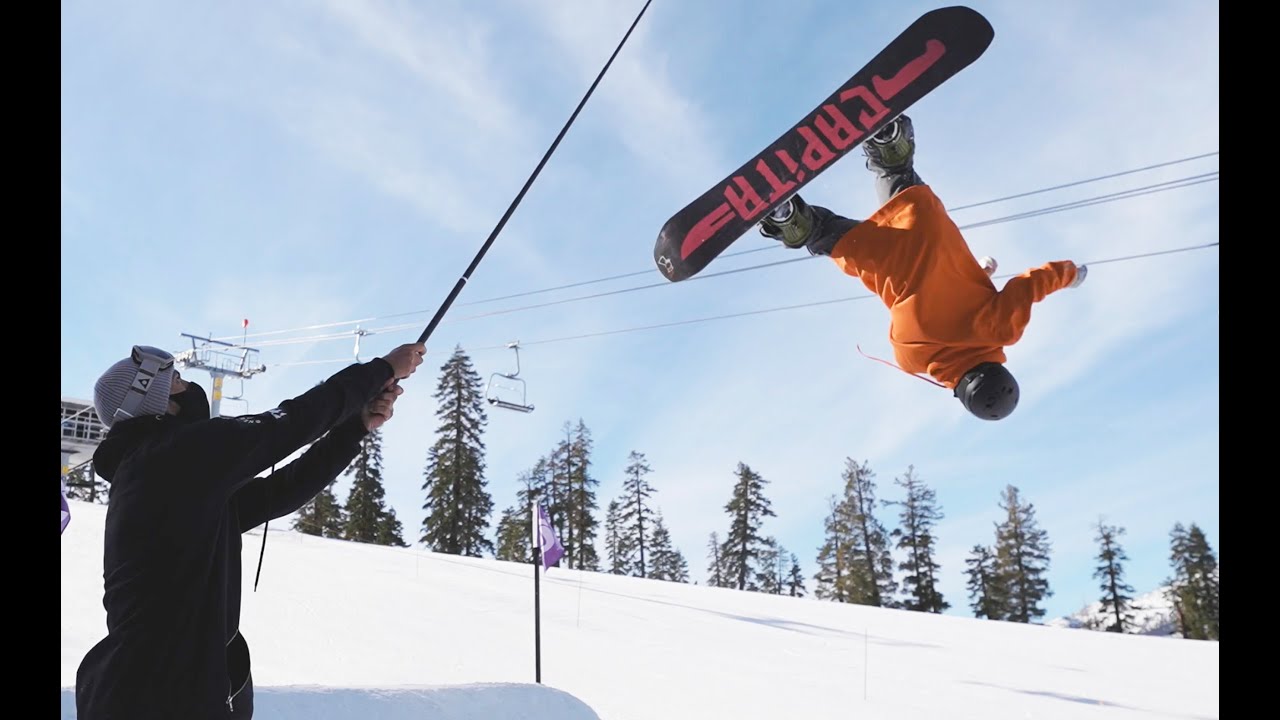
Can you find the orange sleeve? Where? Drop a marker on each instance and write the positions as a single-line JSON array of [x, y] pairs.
[[1009, 312]]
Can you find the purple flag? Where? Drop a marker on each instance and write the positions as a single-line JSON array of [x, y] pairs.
[[545, 535], [66, 510]]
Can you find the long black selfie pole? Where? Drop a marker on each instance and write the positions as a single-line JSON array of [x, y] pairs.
[[457, 288]]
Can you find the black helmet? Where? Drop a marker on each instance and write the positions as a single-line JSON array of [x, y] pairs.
[[988, 391]]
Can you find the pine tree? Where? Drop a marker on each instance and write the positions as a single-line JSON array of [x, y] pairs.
[[558, 466], [986, 595], [1116, 598], [1022, 558], [616, 547], [1194, 588], [634, 510], [668, 563], [854, 563], [771, 577], [915, 535], [458, 504], [390, 531], [744, 546], [716, 575], [321, 515], [832, 576], [583, 505], [365, 508], [515, 528], [1204, 567], [572, 497], [795, 579], [84, 484]]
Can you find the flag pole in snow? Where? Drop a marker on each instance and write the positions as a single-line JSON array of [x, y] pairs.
[[547, 551], [537, 610]]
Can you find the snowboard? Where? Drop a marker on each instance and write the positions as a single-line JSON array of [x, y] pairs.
[[932, 49]]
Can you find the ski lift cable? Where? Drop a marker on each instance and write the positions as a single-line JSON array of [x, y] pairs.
[[1086, 202], [1097, 200], [647, 271], [762, 311]]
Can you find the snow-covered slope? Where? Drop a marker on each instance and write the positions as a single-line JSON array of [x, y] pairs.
[[338, 615]]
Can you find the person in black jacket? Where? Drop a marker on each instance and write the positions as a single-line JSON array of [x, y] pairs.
[[184, 486]]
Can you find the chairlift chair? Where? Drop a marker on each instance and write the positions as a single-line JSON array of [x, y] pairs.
[[511, 385]]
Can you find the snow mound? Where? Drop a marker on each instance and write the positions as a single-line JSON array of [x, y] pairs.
[[478, 701]]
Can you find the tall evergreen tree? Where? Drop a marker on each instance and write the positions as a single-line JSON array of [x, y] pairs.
[[854, 563], [1022, 558], [515, 528], [832, 577], [1194, 588], [616, 548], [914, 533], [1116, 598], [744, 545], [559, 501], [365, 507], [457, 503], [668, 562], [634, 510], [572, 503], [716, 575], [795, 578], [583, 507], [986, 595], [321, 515]]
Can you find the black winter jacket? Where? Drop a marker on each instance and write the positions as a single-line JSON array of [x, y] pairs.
[[181, 495]]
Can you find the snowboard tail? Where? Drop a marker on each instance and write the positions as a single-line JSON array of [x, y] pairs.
[[931, 50]]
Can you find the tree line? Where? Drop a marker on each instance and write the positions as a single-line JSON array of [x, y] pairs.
[[859, 561]]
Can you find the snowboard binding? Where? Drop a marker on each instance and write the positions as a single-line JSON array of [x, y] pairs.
[[790, 223], [894, 146]]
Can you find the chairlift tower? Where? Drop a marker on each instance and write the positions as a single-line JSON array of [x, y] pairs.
[[221, 360]]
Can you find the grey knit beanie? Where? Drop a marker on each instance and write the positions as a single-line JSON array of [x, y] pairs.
[[110, 390]]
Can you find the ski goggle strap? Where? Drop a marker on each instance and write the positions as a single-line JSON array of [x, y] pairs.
[[151, 362]]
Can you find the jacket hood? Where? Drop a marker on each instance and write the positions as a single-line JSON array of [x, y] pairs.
[[122, 439]]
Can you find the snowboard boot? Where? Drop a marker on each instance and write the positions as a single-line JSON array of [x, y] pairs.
[[797, 224], [893, 147], [791, 223]]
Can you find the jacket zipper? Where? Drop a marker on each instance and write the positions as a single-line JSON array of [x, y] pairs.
[[231, 694]]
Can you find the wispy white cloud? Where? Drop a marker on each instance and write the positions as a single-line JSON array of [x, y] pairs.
[[666, 130], [449, 51]]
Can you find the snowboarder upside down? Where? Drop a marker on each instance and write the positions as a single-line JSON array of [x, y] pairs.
[[947, 318]]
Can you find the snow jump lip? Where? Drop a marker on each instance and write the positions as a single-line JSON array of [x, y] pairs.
[[476, 701]]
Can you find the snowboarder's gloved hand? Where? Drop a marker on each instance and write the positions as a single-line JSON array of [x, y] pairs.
[[1081, 272]]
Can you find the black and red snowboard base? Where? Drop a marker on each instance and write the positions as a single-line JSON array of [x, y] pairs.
[[935, 47]]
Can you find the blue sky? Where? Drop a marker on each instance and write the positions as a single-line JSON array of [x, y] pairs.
[[310, 164]]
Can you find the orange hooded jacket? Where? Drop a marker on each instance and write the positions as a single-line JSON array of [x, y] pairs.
[[946, 315]]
